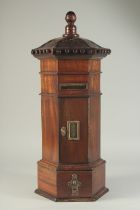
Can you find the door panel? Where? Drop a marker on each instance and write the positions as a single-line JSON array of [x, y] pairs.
[[73, 130]]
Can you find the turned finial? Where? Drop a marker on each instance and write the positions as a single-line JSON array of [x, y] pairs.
[[70, 29]]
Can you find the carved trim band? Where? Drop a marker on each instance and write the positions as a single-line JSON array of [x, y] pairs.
[[71, 52]]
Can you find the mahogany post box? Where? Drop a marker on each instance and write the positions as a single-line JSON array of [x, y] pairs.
[[71, 168]]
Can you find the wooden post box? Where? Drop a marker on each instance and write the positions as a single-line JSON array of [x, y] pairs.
[[71, 168]]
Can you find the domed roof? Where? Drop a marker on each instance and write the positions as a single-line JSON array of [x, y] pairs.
[[70, 45]]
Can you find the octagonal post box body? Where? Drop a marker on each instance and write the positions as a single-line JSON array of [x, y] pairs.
[[71, 168]]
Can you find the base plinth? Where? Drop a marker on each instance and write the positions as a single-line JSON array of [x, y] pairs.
[[94, 198], [81, 182]]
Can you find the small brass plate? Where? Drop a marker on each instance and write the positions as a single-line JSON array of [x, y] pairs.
[[73, 130]]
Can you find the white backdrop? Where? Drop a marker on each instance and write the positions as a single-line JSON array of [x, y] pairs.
[[28, 24]]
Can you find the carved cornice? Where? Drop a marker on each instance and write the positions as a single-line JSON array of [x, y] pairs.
[[99, 52]]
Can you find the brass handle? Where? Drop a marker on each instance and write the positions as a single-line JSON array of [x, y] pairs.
[[63, 131]]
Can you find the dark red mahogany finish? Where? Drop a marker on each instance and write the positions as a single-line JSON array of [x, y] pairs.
[[71, 168]]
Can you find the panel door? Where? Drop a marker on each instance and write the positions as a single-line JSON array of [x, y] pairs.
[[73, 137]]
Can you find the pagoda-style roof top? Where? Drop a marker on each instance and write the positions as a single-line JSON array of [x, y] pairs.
[[70, 45]]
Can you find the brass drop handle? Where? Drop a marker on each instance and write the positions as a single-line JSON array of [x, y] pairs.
[[63, 131]]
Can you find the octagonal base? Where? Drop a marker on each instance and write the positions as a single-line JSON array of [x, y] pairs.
[[79, 182]]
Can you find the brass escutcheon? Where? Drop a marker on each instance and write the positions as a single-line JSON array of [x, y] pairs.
[[74, 184]]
